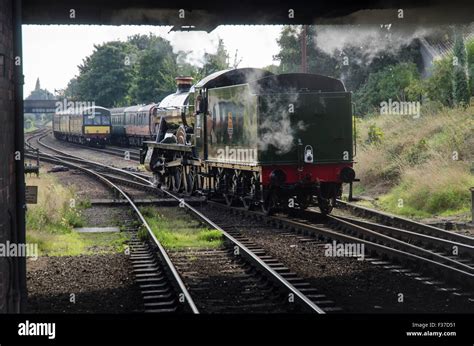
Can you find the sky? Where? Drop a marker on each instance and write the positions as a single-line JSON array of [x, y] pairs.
[[53, 52]]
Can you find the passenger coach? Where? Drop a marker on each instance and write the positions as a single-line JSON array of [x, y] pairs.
[[89, 125]]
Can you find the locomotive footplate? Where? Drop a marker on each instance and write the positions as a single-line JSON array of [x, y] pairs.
[[170, 146]]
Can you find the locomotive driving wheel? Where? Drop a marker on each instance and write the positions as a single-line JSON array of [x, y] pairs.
[[175, 179], [232, 185], [191, 176], [166, 181], [250, 186], [219, 180], [158, 180]]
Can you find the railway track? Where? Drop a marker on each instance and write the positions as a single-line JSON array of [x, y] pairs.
[[219, 275], [125, 153], [407, 224], [431, 255], [158, 279], [428, 258], [269, 286]]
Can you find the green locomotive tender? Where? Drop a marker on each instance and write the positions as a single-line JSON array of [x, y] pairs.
[[278, 141]]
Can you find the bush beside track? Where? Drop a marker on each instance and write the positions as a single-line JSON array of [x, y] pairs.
[[401, 158], [50, 223]]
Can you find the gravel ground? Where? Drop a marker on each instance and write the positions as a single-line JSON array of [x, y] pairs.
[[356, 286], [100, 283], [84, 186], [105, 216], [220, 284], [89, 153]]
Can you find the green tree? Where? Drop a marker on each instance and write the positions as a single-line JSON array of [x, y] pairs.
[[272, 68], [155, 70], [461, 92], [470, 63], [353, 64], [289, 55], [439, 85], [358, 63], [217, 61], [72, 90], [106, 76], [395, 82]]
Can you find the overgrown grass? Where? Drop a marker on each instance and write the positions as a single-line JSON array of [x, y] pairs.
[[57, 210], [177, 230], [73, 243], [419, 167], [50, 223], [30, 129]]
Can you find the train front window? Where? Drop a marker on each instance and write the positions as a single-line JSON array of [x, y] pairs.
[[97, 120], [105, 120], [91, 120]]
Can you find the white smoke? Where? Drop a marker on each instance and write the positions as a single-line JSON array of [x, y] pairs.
[[374, 40], [277, 129], [279, 134]]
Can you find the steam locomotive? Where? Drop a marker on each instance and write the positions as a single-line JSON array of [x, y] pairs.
[[131, 126], [257, 138]]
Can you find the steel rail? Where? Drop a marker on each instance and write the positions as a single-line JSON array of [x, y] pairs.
[[94, 163], [461, 276], [177, 281], [410, 224], [368, 233], [446, 244], [249, 255]]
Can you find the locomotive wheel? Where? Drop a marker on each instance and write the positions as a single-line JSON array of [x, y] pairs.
[[249, 191], [232, 183], [219, 181], [177, 178], [167, 182], [270, 204], [158, 180], [191, 179], [304, 201], [326, 205]]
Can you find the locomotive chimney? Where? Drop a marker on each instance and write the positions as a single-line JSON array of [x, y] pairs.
[[184, 83]]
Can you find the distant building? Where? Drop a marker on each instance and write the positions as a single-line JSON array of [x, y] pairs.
[[40, 94]]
